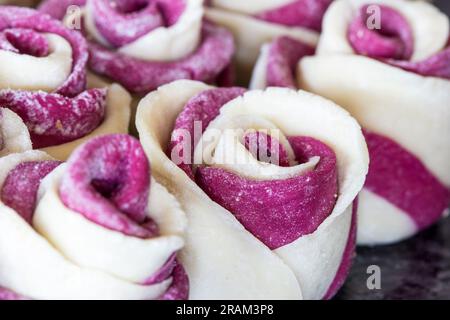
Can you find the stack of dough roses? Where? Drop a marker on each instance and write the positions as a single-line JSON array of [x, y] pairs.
[[43, 81], [143, 44], [388, 63], [255, 22], [268, 180], [97, 227]]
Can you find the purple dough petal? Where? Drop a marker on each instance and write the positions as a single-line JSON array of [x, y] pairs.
[[179, 290], [208, 62], [6, 294], [53, 119], [278, 212], [437, 65], [347, 257], [402, 179], [120, 28], [299, 13], [108, 182], [20, 188], [202, 108], [23, 18], [24, 41], [284, 54], [394, 44], [394, 40]]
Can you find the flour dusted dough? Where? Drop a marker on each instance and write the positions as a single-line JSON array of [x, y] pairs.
[[117, 118], [163, 43], [222, 259], [42, 264]]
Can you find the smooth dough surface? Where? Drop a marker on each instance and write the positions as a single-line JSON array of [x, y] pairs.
[[25, 72], [388, 100], [14, 134], [380, 222]]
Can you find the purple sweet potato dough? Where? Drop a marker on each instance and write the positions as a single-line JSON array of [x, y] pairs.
[[202, 108], [299, 13], [394, 44], [108, 182], [401, 178], [278, 212], [66, 114], [284, 54], [179, 290], [58, 8], [210, 59], [54, 119], [122, 22], [394, 40], [20, 188]]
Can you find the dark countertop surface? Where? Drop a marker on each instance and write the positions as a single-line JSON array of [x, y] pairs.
[[415, 269]]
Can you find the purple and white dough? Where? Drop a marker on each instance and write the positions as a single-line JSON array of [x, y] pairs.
[[43, 80], [257, 22], [97, 227], [277, 63], [14, 135], [240, 227], [143, 44], [398, 88]]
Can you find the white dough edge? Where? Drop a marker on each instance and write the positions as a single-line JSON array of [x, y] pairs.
[[13, 133], [216, 269], [163, 43], [34, 268], [25, 72]]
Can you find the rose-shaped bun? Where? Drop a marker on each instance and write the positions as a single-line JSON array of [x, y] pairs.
[[256, 22], [43, 80], [98, 227], [396, 82], [143, 44], [14, 136], [258, 229]]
